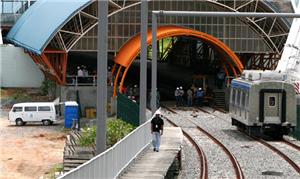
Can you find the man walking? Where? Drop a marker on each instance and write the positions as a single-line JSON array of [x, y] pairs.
[[157, 128]]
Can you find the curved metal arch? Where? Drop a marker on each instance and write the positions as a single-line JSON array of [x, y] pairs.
[[118, 8], [131, 49]]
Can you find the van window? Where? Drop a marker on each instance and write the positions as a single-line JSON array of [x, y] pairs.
[[30, 108], [17, 109], [44, 108]]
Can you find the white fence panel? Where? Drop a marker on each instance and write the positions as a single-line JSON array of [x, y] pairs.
[[110, 163]]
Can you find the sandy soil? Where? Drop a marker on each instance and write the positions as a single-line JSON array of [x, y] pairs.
[[29, 151]]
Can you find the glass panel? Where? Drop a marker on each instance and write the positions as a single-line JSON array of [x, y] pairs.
[[31, 108], [272, 101], [18, 109], [44, 108]]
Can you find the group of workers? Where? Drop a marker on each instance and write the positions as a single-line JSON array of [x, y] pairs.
[[192, 95]]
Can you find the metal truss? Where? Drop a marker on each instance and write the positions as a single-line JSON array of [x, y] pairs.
[[262, 61], [274, 31]]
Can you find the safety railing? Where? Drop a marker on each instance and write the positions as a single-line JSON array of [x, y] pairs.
[[90, 80], [81, 80], [113, 161]]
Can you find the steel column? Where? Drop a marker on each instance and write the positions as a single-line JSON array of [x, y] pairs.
[[143, 61], [154, 64], [102, 76]]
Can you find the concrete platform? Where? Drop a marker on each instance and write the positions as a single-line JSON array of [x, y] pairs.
[[156, 164]]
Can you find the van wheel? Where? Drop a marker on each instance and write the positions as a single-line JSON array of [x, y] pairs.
[[46, 122], [19, 122]]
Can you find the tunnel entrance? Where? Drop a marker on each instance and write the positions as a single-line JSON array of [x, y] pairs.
[[183, 61], [187, 58]]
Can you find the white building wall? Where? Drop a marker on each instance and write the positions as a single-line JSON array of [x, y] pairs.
[[17, 69]]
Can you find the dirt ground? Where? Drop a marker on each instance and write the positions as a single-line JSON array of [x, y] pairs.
[[29, 151]]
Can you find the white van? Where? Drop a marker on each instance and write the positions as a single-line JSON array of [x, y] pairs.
[[21, 113]]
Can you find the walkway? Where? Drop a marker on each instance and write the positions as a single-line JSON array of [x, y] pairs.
[[156, 164]]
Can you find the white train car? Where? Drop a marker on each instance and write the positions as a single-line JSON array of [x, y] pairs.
[[263, 103]]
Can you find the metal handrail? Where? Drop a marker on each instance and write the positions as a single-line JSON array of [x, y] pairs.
[[114, 160], [90, 80]]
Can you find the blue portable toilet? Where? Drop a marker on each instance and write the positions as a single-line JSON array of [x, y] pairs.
[[71, 113]]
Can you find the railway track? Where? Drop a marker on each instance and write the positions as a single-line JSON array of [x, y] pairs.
[[268, 144], [237, 169], [203, 160], [291, 144], [280, 153]]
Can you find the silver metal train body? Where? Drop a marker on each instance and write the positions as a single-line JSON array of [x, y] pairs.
[[262, 103]]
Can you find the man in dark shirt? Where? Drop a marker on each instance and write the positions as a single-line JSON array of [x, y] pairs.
[[157, 128]]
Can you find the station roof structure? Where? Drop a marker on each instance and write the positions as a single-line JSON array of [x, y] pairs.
[[39, 24], [49, 29], [61, 24]]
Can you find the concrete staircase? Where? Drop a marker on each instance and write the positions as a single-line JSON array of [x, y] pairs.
[[219, 99]]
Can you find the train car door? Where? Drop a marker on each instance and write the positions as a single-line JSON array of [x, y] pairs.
[[272, 106], [272, 110]]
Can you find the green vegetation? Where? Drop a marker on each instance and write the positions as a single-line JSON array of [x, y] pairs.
[[163, 45], [20, 96], [116, 130], [88, 136], [56, 168], [48, 87]]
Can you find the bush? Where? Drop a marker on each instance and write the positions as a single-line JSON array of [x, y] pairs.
[[88, 136], [48, 87], [116, 130]]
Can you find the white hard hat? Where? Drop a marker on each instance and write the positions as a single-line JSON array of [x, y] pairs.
[[177, 88], [157, 112], [180, 87], [200, 88]]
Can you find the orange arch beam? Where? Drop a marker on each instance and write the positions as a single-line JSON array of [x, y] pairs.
[[132, 48]]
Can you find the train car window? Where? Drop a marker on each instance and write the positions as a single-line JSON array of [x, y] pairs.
[[238, 97], [243, 99], [247, 100], [272, 101], [233, 96]]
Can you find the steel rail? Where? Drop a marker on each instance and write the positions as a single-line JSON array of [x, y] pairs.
[[274, 149], [237, 168], [297, 147], [281, 154], [203, 160]]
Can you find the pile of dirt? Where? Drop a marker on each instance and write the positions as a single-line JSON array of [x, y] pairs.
[[10, 96]]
